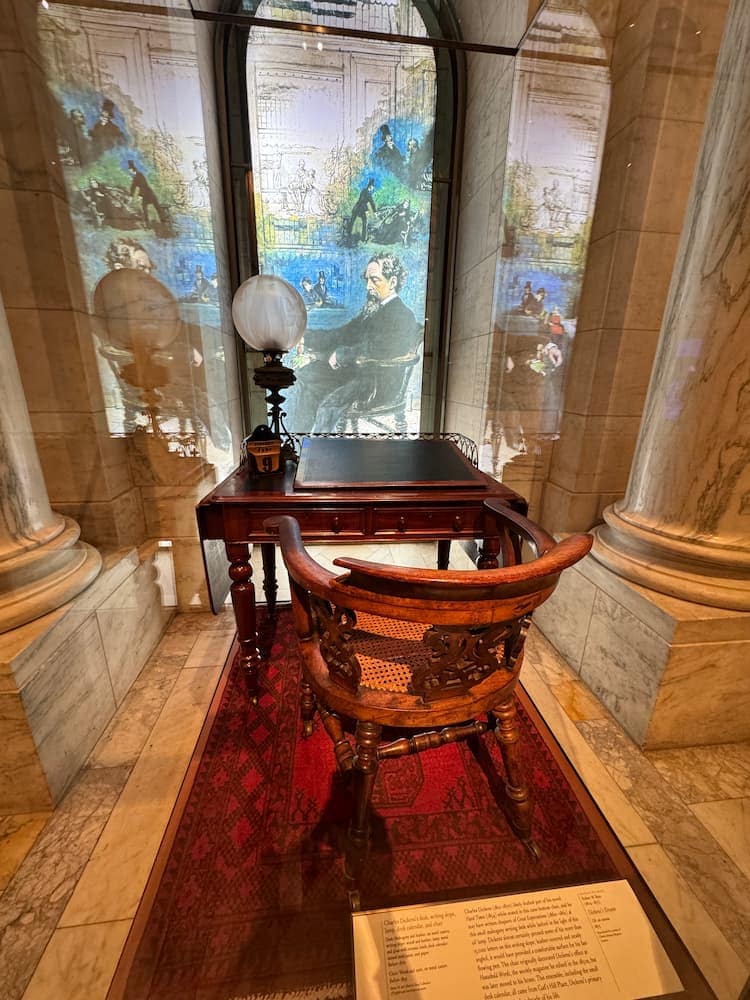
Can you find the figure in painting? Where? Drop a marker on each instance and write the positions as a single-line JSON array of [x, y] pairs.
[[73, 143], [300, 187], [141, 186], [388, 155], [105, 134], [554, 322], [359, 211], [308, 293], [532, 303], [527, 300], [345, 369], [201, 290], [126, 252], [106, 204], [320, 290], [396, 224]]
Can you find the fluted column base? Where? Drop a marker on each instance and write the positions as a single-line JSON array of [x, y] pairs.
[[703, 573], [40, 577]]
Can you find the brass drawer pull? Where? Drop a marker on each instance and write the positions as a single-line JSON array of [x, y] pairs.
[[336, 526]]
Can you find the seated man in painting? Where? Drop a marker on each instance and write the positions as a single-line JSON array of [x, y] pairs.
[[342, 373]]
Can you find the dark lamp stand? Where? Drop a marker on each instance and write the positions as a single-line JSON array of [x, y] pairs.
[[274, 377]]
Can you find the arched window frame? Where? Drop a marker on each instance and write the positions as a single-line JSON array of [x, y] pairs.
[[237, 158]]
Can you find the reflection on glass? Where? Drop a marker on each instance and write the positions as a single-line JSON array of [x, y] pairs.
[[342, 153], [130, 138], [558, 117]]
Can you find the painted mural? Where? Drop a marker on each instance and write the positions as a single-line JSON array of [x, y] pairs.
[[558, 117], [130, 139], [342, 158]]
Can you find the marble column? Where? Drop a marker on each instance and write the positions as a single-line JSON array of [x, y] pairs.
[[43, 564], [656, 621], [683, 528]]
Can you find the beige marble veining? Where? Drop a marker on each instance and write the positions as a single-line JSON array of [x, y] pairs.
[[579, 703], [79, 962], [704, 774], [716, 880], [68, 703], [126, 735], [131, 622], [729, 823], [17, 836], [718, 961], [210, 649], [36, 895], [111, 885]]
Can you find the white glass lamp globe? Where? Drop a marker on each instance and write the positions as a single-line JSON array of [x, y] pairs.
[[269, 314]]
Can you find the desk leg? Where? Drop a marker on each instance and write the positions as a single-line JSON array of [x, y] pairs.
[[488, 553], [270, 587], [243, 601], [444, 553]]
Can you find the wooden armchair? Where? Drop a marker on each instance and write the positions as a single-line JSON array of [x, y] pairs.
[[435, 653]]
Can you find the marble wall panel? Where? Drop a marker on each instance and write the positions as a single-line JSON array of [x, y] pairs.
[[170, 510], [55, 354], [622, 663], [662, 157], [635, 35], [577, 510], [30, 147], [131, 623], [476, 229], [566, 616], [23, 786], [683, 705], [32, 236], [24, 648], [68, 702], [604, 14], [616, 165], [593, 454], [109, 524], [467, 370], [593, 310], [639, 282]]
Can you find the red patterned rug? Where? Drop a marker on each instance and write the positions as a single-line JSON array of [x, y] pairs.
[[248, 898]]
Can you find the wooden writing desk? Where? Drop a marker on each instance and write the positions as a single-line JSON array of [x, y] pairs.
[[347, 489]]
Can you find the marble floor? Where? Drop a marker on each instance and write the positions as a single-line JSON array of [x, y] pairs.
[[70, 881]]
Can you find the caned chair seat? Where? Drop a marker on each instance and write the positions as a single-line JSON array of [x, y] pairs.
[[432, 654], [389, 651]]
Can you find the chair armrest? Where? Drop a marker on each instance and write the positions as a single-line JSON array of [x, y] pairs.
[[301, 567], [531, 532]]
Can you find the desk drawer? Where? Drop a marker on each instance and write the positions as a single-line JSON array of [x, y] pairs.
[[334, 521], [465, 521]]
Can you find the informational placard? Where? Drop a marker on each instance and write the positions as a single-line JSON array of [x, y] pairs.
[[580, 942]]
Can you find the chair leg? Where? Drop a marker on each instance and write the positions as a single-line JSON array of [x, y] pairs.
[[307, 706], [520, 806], [365, 769]]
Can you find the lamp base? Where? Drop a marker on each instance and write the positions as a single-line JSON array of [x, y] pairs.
[[274, 377]]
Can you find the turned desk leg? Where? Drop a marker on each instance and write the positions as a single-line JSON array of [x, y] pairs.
[[270, 587], [243, 601], [444, 553], [488, 553]]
